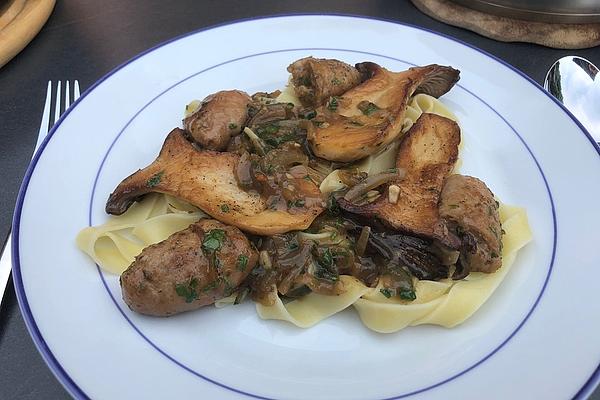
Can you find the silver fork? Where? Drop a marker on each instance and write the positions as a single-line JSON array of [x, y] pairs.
[[62, 98]]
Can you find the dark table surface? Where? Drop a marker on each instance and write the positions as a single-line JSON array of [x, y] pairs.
[[85, 39]]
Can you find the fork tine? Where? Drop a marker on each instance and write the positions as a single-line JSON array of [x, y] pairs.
[[67, 95], [76, 90], [57, 104], [45, 117]]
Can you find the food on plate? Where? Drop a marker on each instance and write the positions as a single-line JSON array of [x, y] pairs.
[[369, 116], [316, 80], [427, 155], [342, 190], [217, 118], [191, 268], [469, 210], [207, 179]]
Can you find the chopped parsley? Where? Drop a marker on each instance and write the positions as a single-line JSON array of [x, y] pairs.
[[269, 129], [386, 292], [232, 126], [407, 294], [333, 207], [333, 103], [296, 203], [155, 179], [210, 286], [310, 114], [187, 290], [326, 268], [367, 108], [225, 208], [335, 81], [242, 262], [213, 240]]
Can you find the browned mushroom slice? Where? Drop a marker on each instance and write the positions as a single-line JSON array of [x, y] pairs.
[[370, 116], [207, 180], [469, 209], [315, 80], [219, 117], [427, 154]]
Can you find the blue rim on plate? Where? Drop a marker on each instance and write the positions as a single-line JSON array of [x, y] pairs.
[[42, 346]]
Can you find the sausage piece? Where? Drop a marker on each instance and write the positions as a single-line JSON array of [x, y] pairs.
[[315, 79], [468, 207], [219, 117], [190, 269]]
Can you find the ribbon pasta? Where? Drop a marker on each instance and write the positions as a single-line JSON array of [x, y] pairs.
[[445, 302], [115, 244]]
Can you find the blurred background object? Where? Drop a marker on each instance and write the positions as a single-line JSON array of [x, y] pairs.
[[567, 24], [20, 21], [560, 11]]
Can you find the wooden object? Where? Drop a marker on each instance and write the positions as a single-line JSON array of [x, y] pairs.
[[20, 21], [560, 36]]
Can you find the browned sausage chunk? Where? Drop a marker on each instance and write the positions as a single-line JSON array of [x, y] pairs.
[[192, 268], [469, 208], [220, 116], [315, 80]]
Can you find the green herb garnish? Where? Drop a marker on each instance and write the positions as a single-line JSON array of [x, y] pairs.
[[333, 207], [213, 240], [155, 179], [210, 286], [296, 203], [368, 108], [407, 295], [224, 208], [187, 290], [232, 126], [308, 114], [242, 262], [386, 292], [333, 103], [335, 81]]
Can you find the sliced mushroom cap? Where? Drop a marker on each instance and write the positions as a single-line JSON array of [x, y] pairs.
[[371, 115], [315, 80], [219, 117], [427, 154], [207, 179]]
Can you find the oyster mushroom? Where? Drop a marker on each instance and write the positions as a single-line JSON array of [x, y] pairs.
[[207, 180], [426, 154], [369, 116]]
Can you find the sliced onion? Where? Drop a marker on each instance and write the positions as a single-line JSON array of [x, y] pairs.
[[243, 172], [259, 145], [372, 182], [363, 240]]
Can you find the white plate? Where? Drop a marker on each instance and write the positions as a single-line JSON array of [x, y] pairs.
[[537, 337]]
